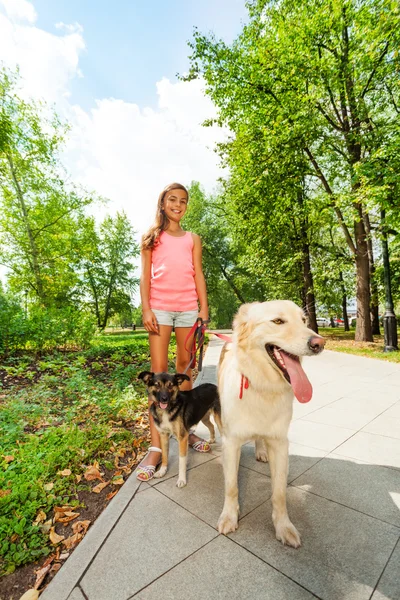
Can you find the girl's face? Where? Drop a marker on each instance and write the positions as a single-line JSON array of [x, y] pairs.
[[175, 204]]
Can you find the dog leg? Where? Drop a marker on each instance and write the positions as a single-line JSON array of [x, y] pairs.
[[228, 520], [217, 418], [183, 450], [261, 450], [207, 422], [164, 439], [286, 532]]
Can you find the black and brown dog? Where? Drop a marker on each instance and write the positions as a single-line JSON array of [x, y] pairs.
[[175, 412]]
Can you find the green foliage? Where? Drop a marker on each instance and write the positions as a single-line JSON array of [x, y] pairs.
[[310, 92], [80, 404], [108, 269]]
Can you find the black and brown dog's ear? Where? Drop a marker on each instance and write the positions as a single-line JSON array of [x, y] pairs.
[[181, 377], [146, 376]]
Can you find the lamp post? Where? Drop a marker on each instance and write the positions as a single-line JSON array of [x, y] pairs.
[[389, 318]]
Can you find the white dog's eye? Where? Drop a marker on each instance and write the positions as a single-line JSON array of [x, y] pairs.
[[278, 321]]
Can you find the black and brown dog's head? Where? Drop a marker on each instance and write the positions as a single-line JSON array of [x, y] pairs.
[[162, 386]]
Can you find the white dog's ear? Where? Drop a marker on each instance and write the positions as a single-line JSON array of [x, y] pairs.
[[241, 322]]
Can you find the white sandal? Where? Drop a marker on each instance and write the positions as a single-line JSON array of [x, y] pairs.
[[146, 472]]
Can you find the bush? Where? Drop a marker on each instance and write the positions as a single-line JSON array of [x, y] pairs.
[[43, 328]]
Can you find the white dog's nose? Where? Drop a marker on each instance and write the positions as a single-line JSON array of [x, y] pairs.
[[316, 343]]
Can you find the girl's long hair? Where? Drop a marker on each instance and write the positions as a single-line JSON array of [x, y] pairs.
[[161, 222]]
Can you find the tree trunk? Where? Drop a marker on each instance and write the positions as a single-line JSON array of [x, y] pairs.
[[344, 303], [308, 284], [96, 300], [373, 281], [34, 262], [363, 325]]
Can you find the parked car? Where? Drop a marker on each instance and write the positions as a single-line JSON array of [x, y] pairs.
[[323, 322]]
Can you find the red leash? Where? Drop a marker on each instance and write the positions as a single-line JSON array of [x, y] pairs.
[[199, 330]]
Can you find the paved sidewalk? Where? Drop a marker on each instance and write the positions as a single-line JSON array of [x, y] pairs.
[[156, 541]]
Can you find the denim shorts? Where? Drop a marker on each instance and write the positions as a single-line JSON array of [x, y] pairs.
[[186, 318]]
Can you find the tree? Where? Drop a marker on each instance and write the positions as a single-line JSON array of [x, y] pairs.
[[107, 266], [320, 82], [39, 211]]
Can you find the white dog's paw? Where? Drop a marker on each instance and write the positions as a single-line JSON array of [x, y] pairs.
[[262, 455], [287, 533], [160, 473], [228, 522], [181, 483]]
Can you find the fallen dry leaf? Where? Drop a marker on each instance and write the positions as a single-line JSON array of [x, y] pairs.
[[40, 575], [14, 537], [64, 555], [117, 481], [68, 516], [92, 473], [78, 478], [56, 567], [48, 486], [45, 527], [30, 595], [54, 537], [70, 542], [64, 473], [4, 493], [62, 509], [8, 458], [111, 495], [81, 526], [100, 486], [41, 516]]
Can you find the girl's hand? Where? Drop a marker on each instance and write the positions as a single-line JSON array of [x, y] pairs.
[[150, 321], [203, 314]]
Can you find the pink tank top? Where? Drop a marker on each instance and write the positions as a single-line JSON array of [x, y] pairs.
[[172, 285]]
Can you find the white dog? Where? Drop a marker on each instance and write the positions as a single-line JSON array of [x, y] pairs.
[[259, 374]]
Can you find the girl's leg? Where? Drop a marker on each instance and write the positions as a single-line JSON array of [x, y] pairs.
[[159, 362], [182, 360]]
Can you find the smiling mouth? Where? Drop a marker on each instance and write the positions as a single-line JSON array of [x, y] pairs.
[[277, 356], [163, 405]]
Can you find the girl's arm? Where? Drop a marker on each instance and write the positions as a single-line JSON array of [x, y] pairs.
[[149, 319], [199, 277]]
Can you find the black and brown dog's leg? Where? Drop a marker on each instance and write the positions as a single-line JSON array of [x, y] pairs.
[[208, 423], [183, 441], [164, 439]]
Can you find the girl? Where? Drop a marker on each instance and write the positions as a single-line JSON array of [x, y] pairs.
[[171, 286]]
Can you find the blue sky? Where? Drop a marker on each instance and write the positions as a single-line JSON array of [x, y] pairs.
[[131, 44]]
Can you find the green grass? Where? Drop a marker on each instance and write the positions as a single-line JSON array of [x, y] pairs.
[[343, 341], [63, 411]]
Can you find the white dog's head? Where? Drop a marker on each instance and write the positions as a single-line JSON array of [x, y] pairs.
[[278, 329]]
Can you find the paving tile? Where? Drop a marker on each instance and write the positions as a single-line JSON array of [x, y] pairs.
[[318, 435], [350, 418], [389, 585], [384, 395], [301, 458], [204, 494], [213, 572], [393, 411], [343, 554], [152, 536], [372, 448], [384, 425], [393, 379], [194, 460], [370, 489], [76, 595], [371, 407], [68, 576]]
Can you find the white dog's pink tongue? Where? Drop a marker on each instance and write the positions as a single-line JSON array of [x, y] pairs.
[[299, 381]]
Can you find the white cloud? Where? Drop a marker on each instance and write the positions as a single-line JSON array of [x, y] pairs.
[[120, 150], [19, 10]]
